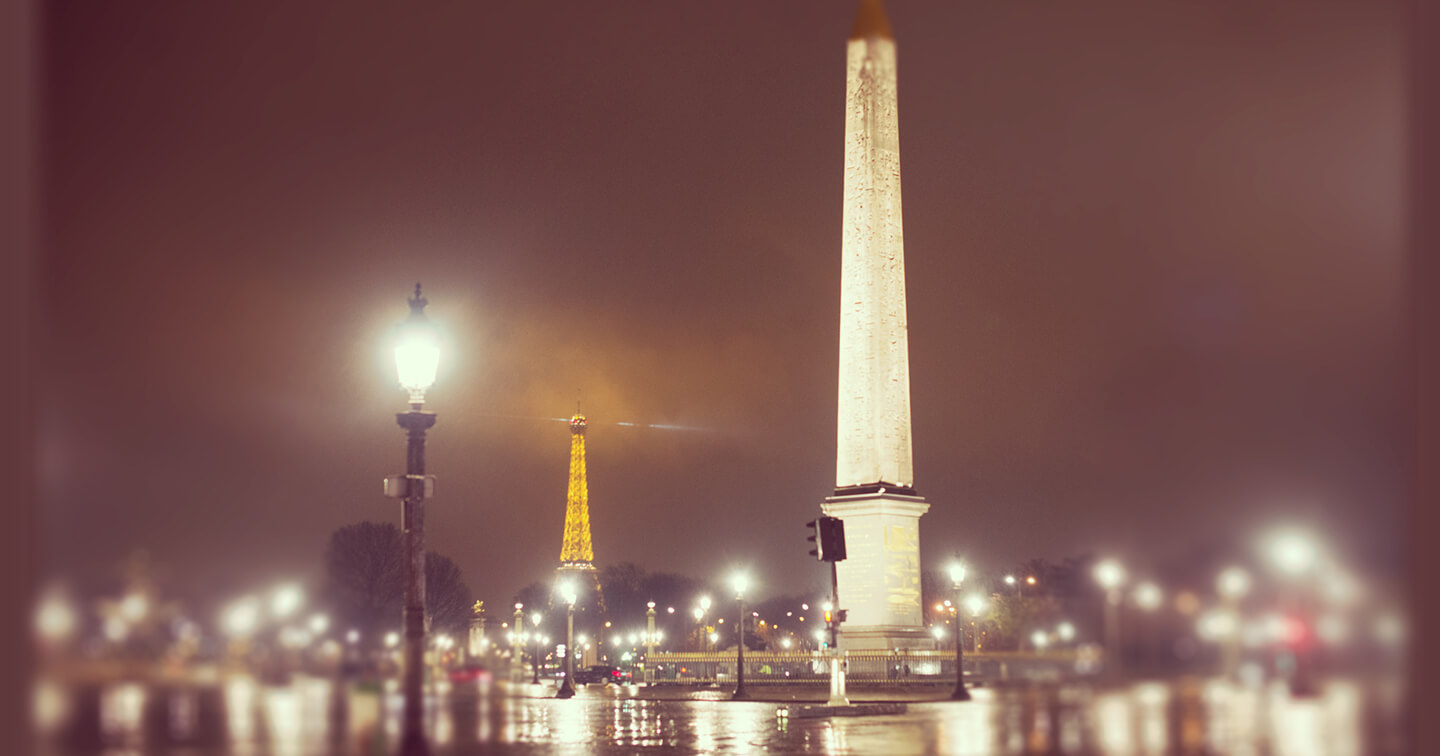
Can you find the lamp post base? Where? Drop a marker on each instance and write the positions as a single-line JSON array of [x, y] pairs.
[[740, 694], [566, 690], [837, 680], [413, 744]]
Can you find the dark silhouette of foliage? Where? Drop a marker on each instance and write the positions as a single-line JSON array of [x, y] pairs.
[[365, 583], [447, 598]]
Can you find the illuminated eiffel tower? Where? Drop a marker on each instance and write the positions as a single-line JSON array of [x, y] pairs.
[[577, 554]]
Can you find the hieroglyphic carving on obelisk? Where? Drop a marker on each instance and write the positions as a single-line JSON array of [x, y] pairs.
[[874, 400]]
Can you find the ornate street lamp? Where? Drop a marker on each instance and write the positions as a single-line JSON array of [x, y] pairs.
[[517, 644], [740, 581], [650, 640], [1296, 555], [1232, 584], [567, 592], [957, 577], [700, 620], [417, 357], [535, 618], [1110, 575]]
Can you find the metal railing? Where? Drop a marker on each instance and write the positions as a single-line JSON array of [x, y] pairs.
[[899, 667]]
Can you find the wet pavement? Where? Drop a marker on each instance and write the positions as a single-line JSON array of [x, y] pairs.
[[315, 716]]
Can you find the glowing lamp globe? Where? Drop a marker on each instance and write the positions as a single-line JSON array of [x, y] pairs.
[[1294, 553], [1149, 596], [241, 618], [741, 582], [417, 350], [1233, 582], [957, 573], [1109, 574]]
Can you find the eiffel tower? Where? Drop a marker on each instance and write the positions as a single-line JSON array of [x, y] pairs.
[[577, 554]]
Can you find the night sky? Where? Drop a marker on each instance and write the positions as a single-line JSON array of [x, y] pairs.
[[1154, 254]]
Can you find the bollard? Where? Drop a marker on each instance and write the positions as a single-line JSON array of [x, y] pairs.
[[837, 679]]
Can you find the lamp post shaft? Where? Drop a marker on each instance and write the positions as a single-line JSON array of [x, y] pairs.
[[1230, 651], [1112, 634], [517, 648], [415, 423], [649, 644], [960, 693], [567, 686], [740, 693]]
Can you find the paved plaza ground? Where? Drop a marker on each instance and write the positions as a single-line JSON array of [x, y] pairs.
[[315, 716]]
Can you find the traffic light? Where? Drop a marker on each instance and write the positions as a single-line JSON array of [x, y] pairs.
[[832, 539], [829, 538]]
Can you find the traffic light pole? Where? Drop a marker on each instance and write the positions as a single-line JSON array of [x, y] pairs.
[[835, 602], [837, 660], [828, 535]]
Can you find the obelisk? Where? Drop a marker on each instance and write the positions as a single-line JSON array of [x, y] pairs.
[[879, 582]]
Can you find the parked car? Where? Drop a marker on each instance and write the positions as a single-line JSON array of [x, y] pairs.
[[601, 674], [468, 673]]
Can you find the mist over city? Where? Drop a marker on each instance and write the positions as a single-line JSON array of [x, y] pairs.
[[568, 378]]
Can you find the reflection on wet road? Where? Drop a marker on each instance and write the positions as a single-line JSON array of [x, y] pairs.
[[315, 716]]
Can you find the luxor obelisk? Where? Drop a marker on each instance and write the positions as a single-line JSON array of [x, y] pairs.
[[879, 582]]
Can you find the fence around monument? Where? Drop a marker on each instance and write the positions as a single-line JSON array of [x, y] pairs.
[[867, 667]]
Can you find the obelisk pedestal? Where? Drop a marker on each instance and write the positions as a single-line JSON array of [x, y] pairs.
[[880, 578]]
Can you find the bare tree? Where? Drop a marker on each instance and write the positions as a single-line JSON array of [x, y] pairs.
[[365, 582], [364, 576], [447, 598]]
